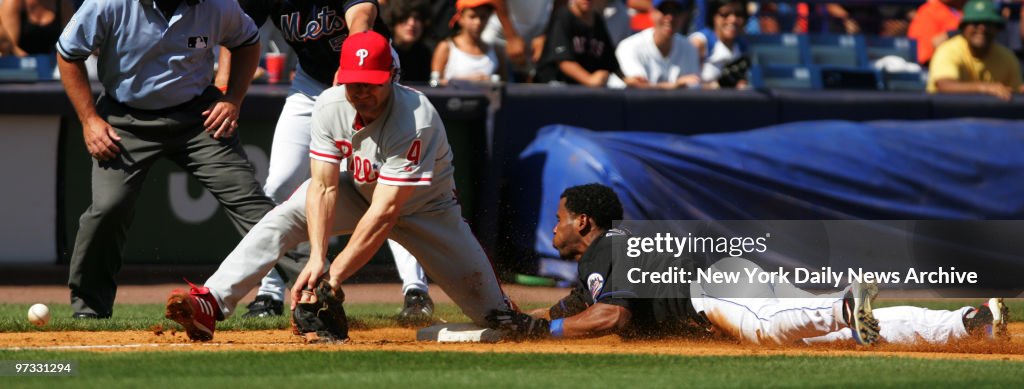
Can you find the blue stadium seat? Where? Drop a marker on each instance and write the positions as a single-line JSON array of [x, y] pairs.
[[838, 50], [779, 49], [784, 77], [912, 82], [881, 46], [27, 69]]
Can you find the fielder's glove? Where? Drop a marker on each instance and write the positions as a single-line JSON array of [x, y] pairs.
[[518, 325], [323, 321]]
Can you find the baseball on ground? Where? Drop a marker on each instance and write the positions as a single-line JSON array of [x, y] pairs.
[[39, 314]]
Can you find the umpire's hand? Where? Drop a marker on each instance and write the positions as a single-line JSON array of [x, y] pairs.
[[99, 139], [222, 117]]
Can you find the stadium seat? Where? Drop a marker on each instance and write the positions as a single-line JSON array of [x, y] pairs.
[[838, 50], [27, 69], [784, 77], [909, 82], [779, 49], [881, 46]]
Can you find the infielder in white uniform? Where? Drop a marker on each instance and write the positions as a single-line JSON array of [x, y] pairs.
[[399, 184], [289, 157], [758, 313]]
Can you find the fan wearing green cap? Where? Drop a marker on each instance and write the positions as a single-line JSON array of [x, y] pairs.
[[973, 62]]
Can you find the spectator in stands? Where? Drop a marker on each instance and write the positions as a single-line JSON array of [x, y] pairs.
[[934, 22], [641, 19], [721, 46], [408, 19], [578, 49], [659, 57], [6, 46], [34, 25], [776, 18], [616, 18], [465, 56], [973, 62], [517, 29]]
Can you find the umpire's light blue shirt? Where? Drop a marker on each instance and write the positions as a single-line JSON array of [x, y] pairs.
[[148, 62]]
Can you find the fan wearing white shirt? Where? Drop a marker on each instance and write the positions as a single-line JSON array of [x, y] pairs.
[[659, 57]]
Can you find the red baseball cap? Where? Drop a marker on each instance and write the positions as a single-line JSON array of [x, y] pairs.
[[365, 59]]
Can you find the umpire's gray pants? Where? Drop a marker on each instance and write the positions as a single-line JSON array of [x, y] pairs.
[[440, 240], [146, 136]]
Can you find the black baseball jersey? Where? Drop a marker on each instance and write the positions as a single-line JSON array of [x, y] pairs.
[[597, 284], [569, 39], [315, 29]]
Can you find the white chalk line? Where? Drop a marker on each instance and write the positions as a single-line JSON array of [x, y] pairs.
[[142, 345]]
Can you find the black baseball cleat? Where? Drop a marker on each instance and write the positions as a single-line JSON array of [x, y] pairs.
[[857, 312], [265, 306], [417, 310]]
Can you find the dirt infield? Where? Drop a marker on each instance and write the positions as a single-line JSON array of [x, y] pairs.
[[354, 294], [398, 339]]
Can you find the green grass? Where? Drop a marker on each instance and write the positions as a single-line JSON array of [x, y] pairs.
[[144, 316], [438, 369]]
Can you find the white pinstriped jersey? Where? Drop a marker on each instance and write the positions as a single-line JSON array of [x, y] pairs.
[[407, 145]]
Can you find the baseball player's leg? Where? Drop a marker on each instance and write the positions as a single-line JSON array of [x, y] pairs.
[[104, 225], [281, 230], [409, 270], [452, 257], [289, 168], [289, 152], [909, 325], [755, 314]]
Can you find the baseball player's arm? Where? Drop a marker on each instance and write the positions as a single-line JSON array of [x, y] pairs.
[[222, 117], [360, 17], [99, 135], [371, 231], [597, 320], [321, 196]]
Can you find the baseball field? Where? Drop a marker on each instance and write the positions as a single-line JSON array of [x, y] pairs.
[[139, 348]]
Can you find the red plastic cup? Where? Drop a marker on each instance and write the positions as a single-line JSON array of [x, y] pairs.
[[275, 67]]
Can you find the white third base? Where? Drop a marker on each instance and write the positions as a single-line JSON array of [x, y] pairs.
[[459, 333]]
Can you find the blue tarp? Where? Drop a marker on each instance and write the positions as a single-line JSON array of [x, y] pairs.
[[824, 170]]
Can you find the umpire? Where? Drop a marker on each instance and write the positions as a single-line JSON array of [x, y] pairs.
[[156, 65]]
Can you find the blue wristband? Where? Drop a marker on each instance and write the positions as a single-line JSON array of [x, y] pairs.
[[556, 328]]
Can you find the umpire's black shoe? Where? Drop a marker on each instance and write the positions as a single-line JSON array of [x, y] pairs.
[[88, 315], [417, 310], [265, 306]]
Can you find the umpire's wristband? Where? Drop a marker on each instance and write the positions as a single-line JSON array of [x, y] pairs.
[[556, 328]]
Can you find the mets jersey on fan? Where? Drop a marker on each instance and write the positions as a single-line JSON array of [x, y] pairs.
[[406, 145]]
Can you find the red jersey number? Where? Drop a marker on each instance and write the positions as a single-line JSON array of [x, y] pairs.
[[414, 152]]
